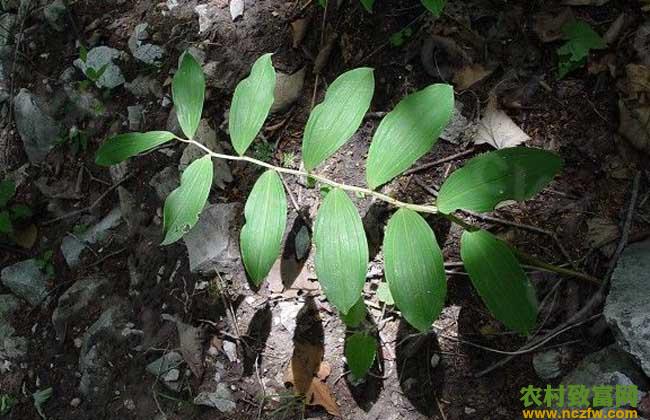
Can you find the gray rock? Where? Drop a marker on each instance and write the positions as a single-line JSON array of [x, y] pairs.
[[212, 243], [101, 345], [55, 15], [7, 28], [72, 246], [147, 53], [205, 135], [548, 364], [74, 301], [173, 125], [84, 104], [14, 348], [164, 364], [165, 181], [38, 131], [9, 305], [221, 399], [609, 366], [459, 128], [136, 117], [288, 88], [99, 57], [627, 308], [143, 86], [26, 280]]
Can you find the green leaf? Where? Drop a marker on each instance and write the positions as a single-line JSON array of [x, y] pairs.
[[516, 173], [335, 120], [408, 132], [434, 6], [355, 315], [499, 280], [384, 295], [123, 146], [414, 268], [581, 39], [341, 250], [398, 38], [185, 203], [40, 398], [360, 352], [266, 219], [7, 191], [251, 104], [5, 223], [188, 90], [367, 4], [20, 212]]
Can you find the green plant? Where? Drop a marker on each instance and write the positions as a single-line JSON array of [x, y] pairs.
[[44, 263], [581, 39], [77, 140], [9, 215], [92, 74], [40, 398], [414, 268], [6, 404]]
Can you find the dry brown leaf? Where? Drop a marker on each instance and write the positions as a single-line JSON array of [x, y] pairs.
[[548, 26], [497, 128], [324, 371], [299, 30], [305, 363], [191, 341], [319, 394], [638, 78], [469, 75], [27, 237]]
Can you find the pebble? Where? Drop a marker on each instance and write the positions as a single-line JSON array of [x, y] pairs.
[[75, 402]]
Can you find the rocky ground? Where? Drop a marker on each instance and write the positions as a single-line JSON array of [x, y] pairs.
[[99, 321]]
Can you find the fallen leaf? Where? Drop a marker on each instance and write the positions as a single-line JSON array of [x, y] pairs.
[[497, 128], [299, 30], [638, 78], [236, 9], [324, 371], [288, 88], [324, 54], [601, 231], [635, 125], [26, 237], [305, 364], [469, 75], [320, 395], [191, 341], [548, 26]]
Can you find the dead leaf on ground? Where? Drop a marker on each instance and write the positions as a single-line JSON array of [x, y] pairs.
[[26, 237], [299, 30], [548, 26], [638, 78], [324, 54], [191, 342], [635, 125], [304, 366], [320, 395], [601, 231], [497, 128], [288, 88], [470, 75]]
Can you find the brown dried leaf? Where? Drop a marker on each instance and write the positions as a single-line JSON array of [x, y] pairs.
[[497, 128], [469, 75], [299, 30], [305, 363], [191, 341], [319, 394], [324, 371]]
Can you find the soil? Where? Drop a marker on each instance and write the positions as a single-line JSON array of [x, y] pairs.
[[577, 117]]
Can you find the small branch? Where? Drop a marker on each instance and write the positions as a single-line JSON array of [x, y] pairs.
[[440, 161]]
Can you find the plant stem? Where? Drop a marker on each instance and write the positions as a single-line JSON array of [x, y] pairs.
[[420, 208]]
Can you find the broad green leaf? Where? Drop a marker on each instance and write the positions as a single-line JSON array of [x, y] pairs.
[[5, 222], [335, 120], [266, 219], [123, 146], [251, 104], [188, 90], [360, 352], [515, 173], [384, 295], [581, 39], [414, 268], [20, 212], [341, 250], [7, 192], [355, 315], [434, 6], [408, 132], [367, 4], [499, 280], [185, 203]]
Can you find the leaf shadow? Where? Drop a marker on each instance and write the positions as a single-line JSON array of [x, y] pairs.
[[290, 265], [420, 382], [254, 342]]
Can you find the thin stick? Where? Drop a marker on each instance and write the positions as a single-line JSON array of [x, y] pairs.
[[440, 161]]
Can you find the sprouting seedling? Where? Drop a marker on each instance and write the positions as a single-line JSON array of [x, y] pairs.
[[413, 261]]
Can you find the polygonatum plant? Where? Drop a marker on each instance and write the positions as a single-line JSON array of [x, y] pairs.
[[413, 260]]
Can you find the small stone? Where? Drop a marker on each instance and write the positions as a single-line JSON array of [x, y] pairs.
[[38, 131], [165, 364], [103, 57], [221, 399], [75, 402], [129, 405], [435, 360], [136, 117], [172, 375], [26, 280], [55, 15], [72, 247], [143, 86], [548, 364], [470, 410], [77, 342], [230, 349]]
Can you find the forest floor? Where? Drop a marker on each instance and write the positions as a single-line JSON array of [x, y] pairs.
[[230, 345]]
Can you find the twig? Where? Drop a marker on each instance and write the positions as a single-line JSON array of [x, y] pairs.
[[87, 208], [440, 161], [294, 203]]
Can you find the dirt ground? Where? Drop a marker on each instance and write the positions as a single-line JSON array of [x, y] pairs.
[[437, 376]]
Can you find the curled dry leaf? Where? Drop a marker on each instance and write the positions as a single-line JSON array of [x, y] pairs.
[[469, 75], [497, 128], [299, 30], [548, 26], [191, 341]]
